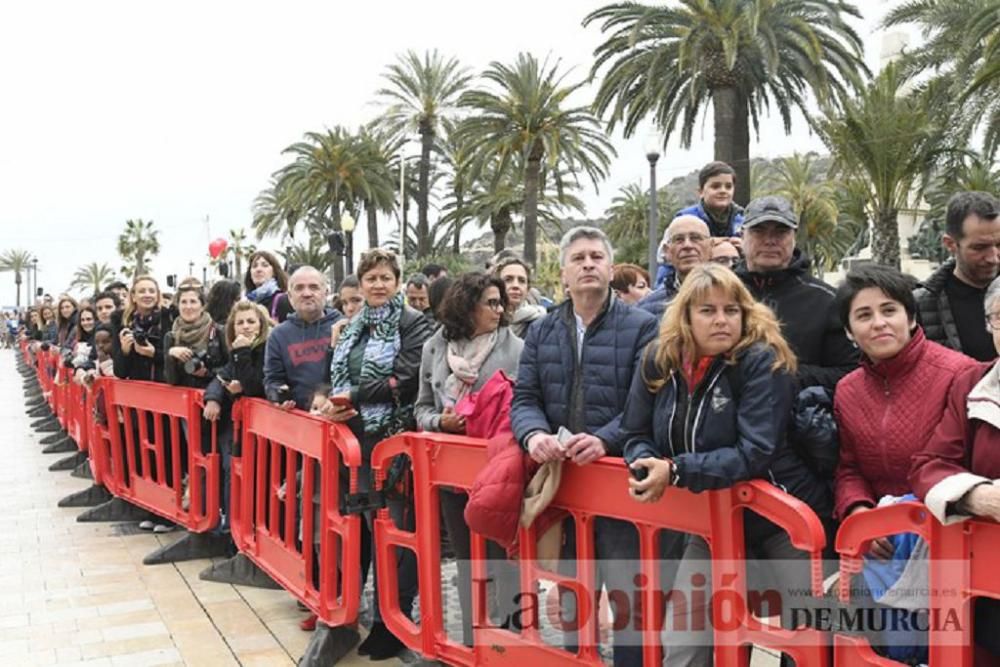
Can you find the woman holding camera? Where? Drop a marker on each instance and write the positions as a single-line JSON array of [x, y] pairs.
[[195, 346], [138, 352], [375, 377], [709, 407]]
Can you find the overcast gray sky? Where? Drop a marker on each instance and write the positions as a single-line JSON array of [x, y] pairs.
[[177, 111]]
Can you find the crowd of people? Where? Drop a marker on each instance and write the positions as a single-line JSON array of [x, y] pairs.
[[734, 363]]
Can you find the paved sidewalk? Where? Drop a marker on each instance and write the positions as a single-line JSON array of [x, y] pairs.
[[78, 594]]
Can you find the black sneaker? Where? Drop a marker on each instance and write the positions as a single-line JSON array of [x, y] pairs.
[[380, 644]]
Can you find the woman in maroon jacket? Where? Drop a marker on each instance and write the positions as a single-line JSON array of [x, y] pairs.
[[888, 408], [956, 473]]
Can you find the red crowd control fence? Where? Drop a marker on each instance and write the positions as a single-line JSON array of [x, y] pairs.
[[288, 481], [61, 390], [156, 438], [960, 569], [77, 422], [441, 460], [46, 365]]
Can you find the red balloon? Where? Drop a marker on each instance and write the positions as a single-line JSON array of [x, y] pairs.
[[217, 247]]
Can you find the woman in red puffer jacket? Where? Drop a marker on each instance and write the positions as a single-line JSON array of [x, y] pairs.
[[888, 408]]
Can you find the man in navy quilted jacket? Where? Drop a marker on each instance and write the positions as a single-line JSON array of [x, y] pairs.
[[576, 367]]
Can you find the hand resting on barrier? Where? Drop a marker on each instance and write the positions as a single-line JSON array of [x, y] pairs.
[[211, 411], [544, 447], [881, 548], [982, 501], [657, 479], [336, 408]]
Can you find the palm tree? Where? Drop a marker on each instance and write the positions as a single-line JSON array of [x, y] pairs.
[[813, 196], [973, 172], [525, 118], [669, 61], [274, 213], [421, 94], [239, 249], [330, 169], [92, 277], [956, 50], [457, 156], [314, 253], [380, 149], [137, 242], [17, 261], [886, 139], [628, 221]]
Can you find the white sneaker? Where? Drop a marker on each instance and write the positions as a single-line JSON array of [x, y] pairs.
[[164, 528], [146, 525]]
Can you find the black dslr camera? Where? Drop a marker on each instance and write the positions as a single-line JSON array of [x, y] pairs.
[[142, 336], [196, 363]]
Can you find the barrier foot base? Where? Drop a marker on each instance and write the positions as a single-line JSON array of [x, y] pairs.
[[62, 447], [39, 412], [83, 471], [328, 645], [47, 426], [241, 571], [191, 546], [33, 399], [115, 509], [53, 438], [69, 462], [93, 495]]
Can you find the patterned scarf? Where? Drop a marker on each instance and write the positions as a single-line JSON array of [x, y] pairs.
[[193, 334], [379, 358], [268, 288]]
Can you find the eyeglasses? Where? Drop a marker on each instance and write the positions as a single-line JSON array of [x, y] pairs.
[[679, 239], [492, 304], [993, 320]]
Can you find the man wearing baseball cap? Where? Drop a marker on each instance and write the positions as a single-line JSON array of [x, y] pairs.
[[777, 273]]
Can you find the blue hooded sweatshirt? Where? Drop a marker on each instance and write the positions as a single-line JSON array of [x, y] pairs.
[[296, 355]]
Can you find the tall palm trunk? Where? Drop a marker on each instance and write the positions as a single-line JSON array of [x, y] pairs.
[[372, 225], [17, 281], [732, 136], [456, 241], [885, 240], [338, 259], [532, 180], [500, 223], [423, 226]]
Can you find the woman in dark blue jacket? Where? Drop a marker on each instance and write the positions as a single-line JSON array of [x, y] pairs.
[[709, 407]]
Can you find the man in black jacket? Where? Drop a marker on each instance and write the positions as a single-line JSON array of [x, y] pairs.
[[950, 302], [777, 274], [574, 375]]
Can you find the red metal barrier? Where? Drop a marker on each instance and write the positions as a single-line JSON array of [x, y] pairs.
[[98, 438], [78, 424], [145, 428], [443, 460], [61, 390], [284, 455], [955, 577]]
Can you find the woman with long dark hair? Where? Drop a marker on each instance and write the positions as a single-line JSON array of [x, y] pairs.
[[66, 321], [266, 283]]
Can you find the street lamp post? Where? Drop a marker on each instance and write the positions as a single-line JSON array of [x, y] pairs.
[[34, 271], [653, 154], [347, 223]]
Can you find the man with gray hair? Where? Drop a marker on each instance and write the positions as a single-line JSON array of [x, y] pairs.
[[686, 244], [295, 360], [575, 371]]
